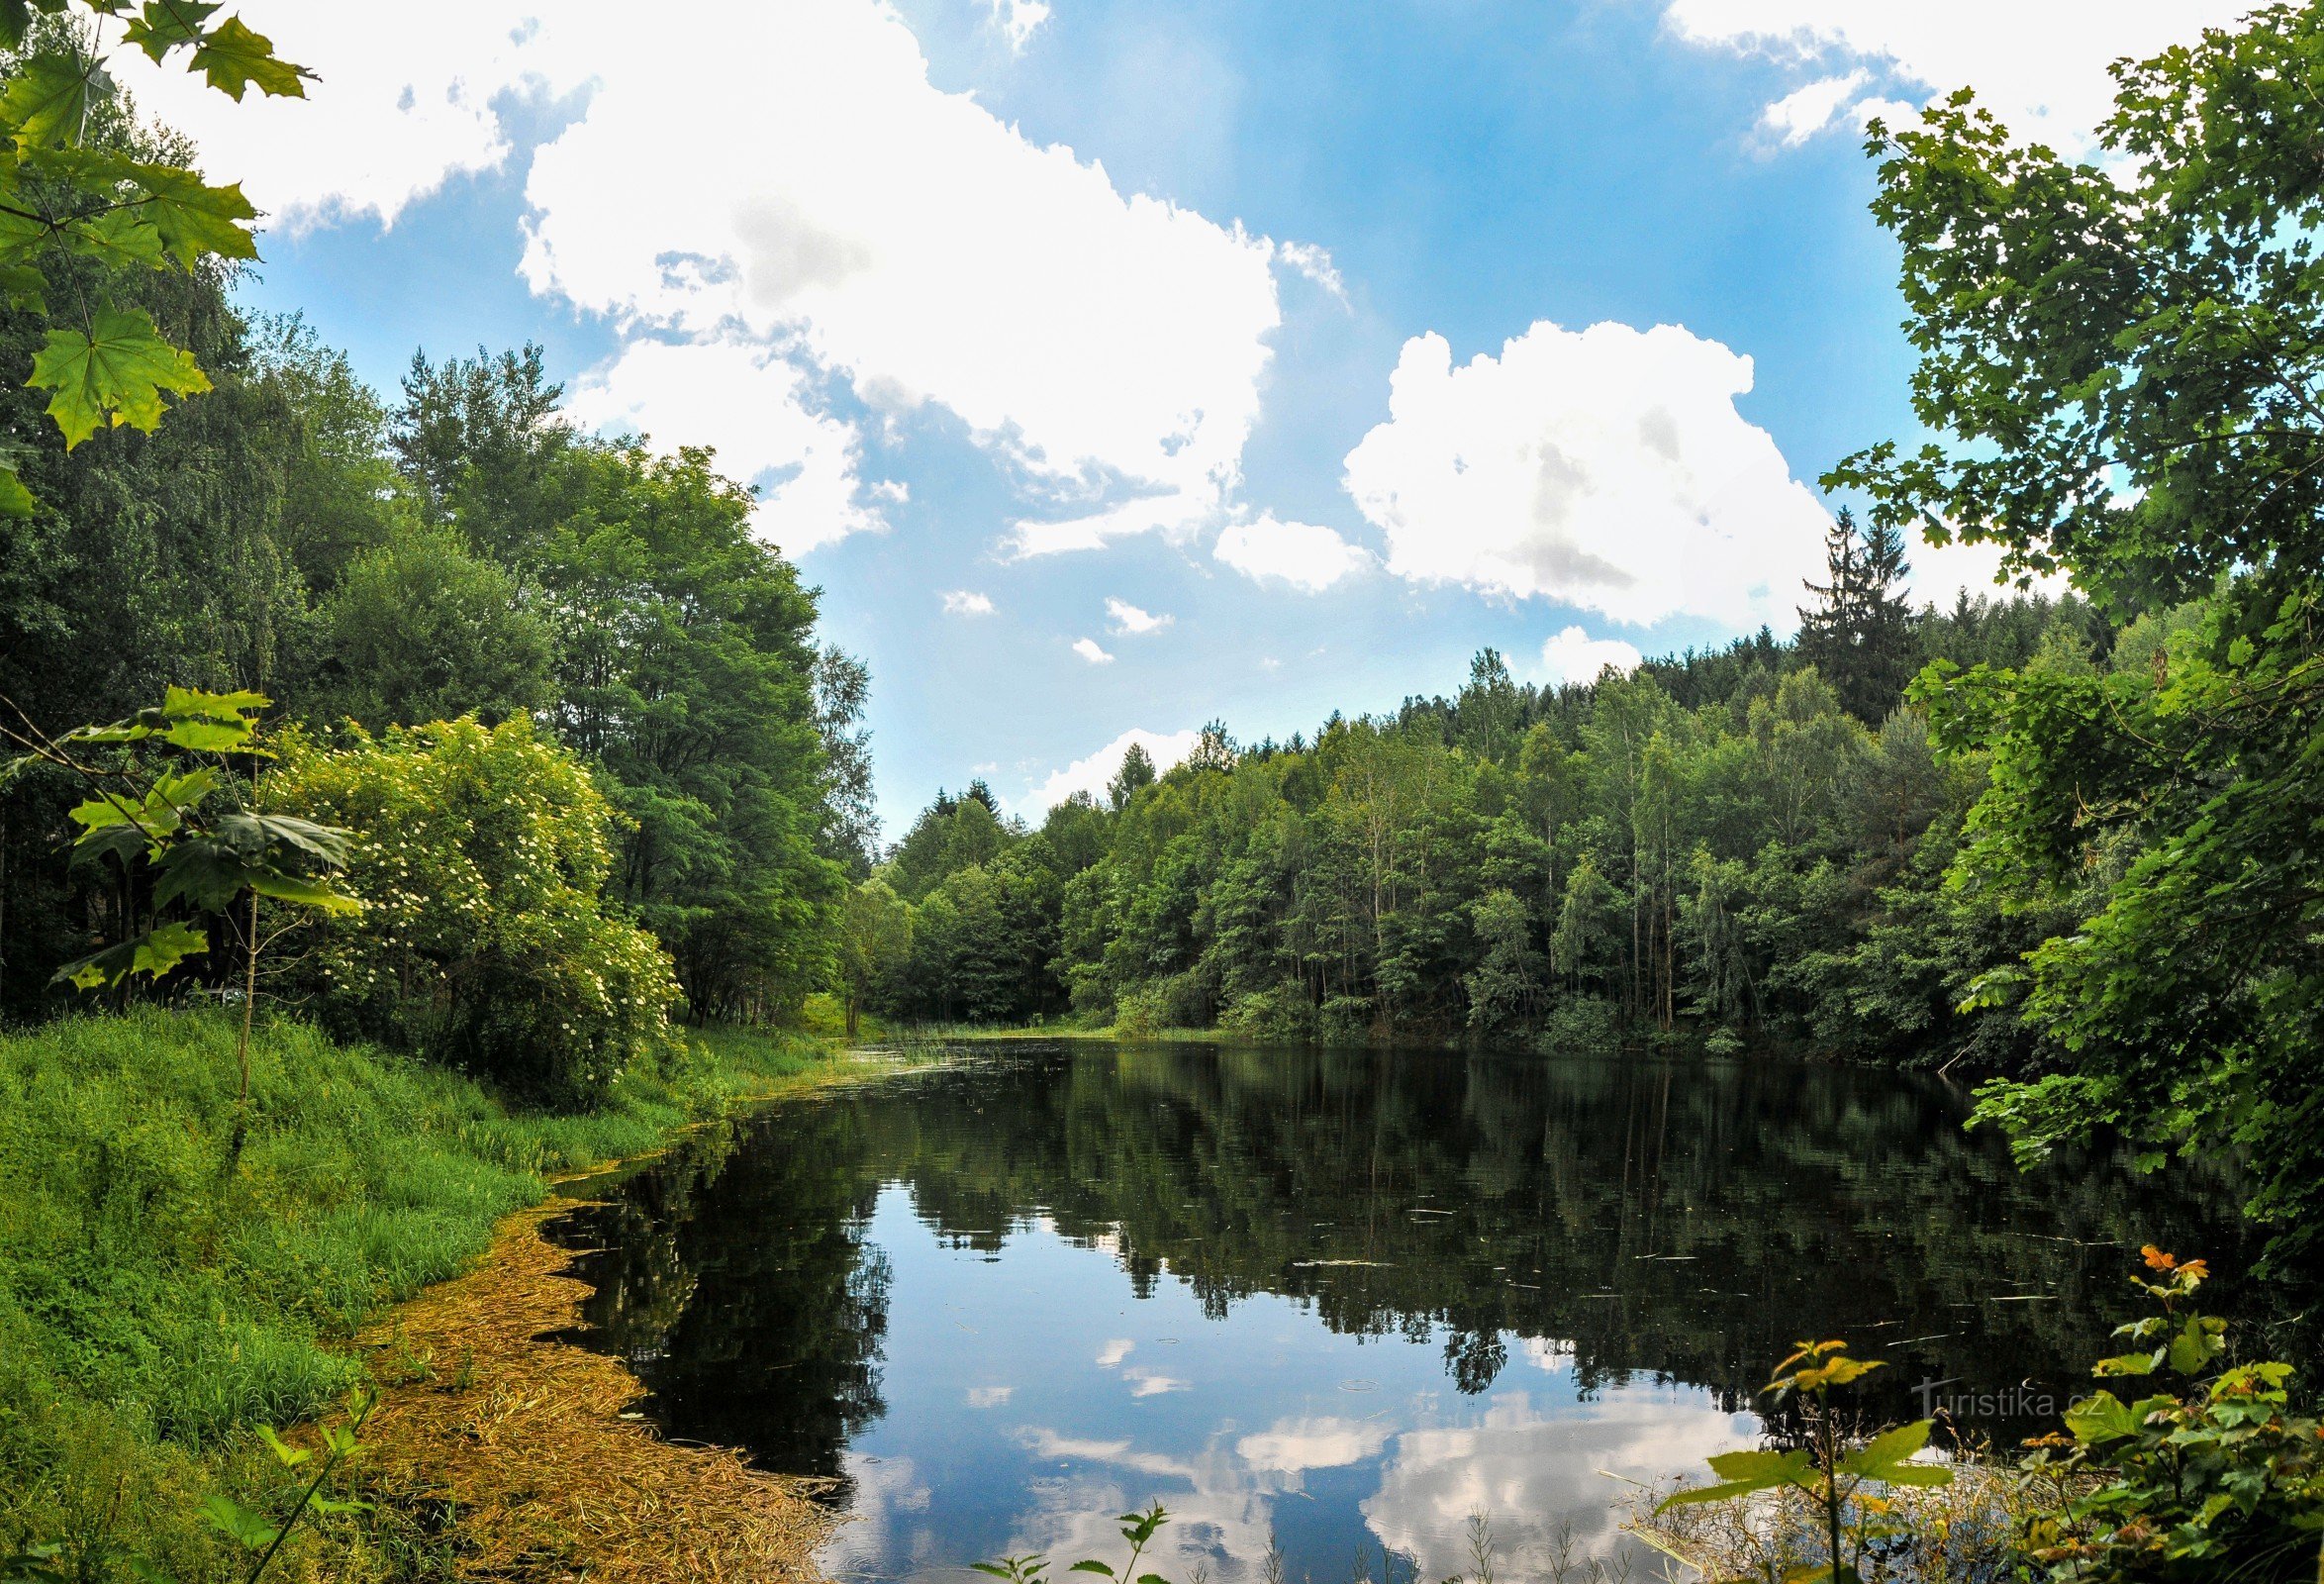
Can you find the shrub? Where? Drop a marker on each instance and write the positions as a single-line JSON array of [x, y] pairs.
[[1344, 1019], [1579, 1025], [482, 854], [1281, 1016]]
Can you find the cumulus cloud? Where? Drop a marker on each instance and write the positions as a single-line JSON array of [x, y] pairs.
[[1538, 1473], [1088, 650], [1940, 572], [1314, 263], [1127, 617], [967, 602], [1805, 112], [2041, 68], [1091, 776], [1573, 655], [880, 233], [1118, 1349], [1306, 556], [1018, 19], [1294, 1445], [749, 404], [1607, 468], [1151, 1382]]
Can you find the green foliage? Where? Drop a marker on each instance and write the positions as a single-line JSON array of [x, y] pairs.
[[2154, 324], [161, 1295], [2219, 1478], [73, 201], [418, 629], [483, 856], [1840, 1475], [1137, 1531]]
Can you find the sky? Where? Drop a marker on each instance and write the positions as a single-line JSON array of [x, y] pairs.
[[1112, 367]]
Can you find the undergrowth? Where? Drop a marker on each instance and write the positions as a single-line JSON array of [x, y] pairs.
[[161, 1298]]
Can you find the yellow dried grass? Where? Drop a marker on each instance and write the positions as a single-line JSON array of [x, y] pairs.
[[522, 1434]]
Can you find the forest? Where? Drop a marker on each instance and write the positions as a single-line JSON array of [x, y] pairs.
[[1749, 846]]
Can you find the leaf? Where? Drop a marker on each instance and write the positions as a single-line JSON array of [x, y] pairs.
[[1091, 1565], [235, 58], [122, 841], [255, 832], [2098, 1417], [153, 953], [1742, 1473], [244, 1527], [287, 1455], [1889, 1448], [2127, 1364], [183, 702], [325, 1503], [208, 737], [114, 376], [298, 888], [48, 99], [202, 872], [166, 25], [193, 220], [15, 499]]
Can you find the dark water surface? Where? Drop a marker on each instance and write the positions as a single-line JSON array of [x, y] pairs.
[[1337, 1301]]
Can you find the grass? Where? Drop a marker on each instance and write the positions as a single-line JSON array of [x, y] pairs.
[[159, 1299]]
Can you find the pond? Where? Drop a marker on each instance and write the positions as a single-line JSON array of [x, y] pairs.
[[1327, 1303]]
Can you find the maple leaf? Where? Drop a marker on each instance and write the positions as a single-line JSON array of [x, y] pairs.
[[114, 375]]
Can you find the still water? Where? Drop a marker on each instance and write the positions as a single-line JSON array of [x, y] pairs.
[[1336, 1302]]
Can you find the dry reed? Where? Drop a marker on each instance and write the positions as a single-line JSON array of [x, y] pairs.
[[520, 1436]]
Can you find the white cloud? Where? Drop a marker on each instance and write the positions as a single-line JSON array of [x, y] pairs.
[[1127, 617], [967, 602], [749, 404], [1573, 655], [989, 1396], [882, 232], [2041, 67], [1315, 262], [1306, 556], [1803, 112], [1088, 650], [1118, 1349], [1607, 468], [1151, 1383], [1091, 776], [1533, 1472], [1294, 1445], [1018, 19], [1941, 572], [398, 111]]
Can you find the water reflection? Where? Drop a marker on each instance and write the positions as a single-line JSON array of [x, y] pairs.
[[1333, 1300]]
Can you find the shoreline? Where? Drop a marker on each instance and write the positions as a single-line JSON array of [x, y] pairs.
[[527, 1443]]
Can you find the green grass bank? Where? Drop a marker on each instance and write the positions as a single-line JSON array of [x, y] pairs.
[[159, 1299]]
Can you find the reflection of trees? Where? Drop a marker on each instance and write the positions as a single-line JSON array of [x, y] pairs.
[[1685, 1222], [737, 1283]]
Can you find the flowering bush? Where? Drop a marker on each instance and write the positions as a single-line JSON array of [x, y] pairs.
[[482, 854]]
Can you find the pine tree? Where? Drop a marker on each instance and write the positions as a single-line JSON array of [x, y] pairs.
[[1859, 635]]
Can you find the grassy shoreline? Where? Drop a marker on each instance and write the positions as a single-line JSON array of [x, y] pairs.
[[162, 1297]]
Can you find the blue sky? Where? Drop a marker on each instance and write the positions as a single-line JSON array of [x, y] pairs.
[[1018, 310]]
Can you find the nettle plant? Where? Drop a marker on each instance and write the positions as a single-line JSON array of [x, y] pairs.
[[175, 813]]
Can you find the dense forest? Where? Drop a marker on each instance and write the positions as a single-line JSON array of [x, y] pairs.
[[462, 552], [1749, 845]]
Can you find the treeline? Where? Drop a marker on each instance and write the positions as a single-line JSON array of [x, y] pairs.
[[1749, 843], [642, 676]]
